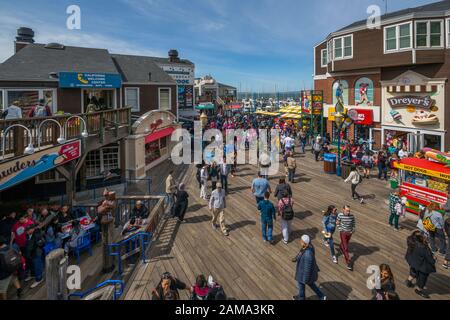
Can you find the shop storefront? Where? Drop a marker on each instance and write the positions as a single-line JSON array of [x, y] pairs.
[[414, 112], [150, 143]]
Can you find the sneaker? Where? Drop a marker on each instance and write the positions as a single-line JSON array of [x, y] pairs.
[[446, 266], [226, 234], [29, 278], [349, 267], [324, 298], [285, 242], [35, 284], [361, 201], [335, 260], [409, 284], [422, 294], [265, 241], [326, 244]]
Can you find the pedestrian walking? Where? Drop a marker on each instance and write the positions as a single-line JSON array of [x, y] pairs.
[[346, 224], [367, 162], [217, 206], [204, 183], [397, 209], [281, 188], [303, 138], [171, 189], [268, 215], [355, 178], [446, 264], [329, 222], [434, 223], [259, 188], [286, 212], [421, 263], [225, 170], [383, 164], [182, 202], [317, 148], [214, 175], [292, 166], [307, 270]]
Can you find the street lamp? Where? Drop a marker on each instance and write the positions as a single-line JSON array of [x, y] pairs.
[[204, 119], [61, 138], [84, 134], [339, 120], [28, 150]]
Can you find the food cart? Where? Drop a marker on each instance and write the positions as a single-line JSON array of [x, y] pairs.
[[422, 181]]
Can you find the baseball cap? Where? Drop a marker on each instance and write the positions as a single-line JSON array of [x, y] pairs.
[[306, 239]]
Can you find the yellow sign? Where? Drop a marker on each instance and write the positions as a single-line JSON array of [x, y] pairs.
[[332, 111], [423, 171]]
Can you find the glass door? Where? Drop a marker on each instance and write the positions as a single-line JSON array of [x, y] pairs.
[[375, 139]]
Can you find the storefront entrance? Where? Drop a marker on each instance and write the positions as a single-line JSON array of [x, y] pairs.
[[413, 141], [100, 99]]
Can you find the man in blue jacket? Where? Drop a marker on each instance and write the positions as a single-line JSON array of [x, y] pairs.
[[307, 271], [268, 215]]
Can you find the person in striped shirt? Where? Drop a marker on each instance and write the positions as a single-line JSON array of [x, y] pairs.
[[346, 225]]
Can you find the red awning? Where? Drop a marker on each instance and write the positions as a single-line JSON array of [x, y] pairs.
[[365, 116], [159, 134]]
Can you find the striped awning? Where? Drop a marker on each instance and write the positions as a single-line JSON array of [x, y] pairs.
[[291, 116], [412, 89]]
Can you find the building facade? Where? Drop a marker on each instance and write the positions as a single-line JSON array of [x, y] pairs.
[[395, 78]]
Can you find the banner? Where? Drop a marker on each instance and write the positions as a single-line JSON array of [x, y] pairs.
[[25, 168], [89, 80], [423, 171]]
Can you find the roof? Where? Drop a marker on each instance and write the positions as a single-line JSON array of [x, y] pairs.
[[34, 62], [226, 86], [166, 60], [441, 6], [137, 68]]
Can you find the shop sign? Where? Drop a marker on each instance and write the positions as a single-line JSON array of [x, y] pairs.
[[332, 112], [411, 101], [361, 116], [25, 168], [317, 102], [89, 80], [431, 173], [424, 193]]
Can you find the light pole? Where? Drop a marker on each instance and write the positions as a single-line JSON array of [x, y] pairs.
[[61, 138], [84, 134], [28, 150], [204, 119], [339, 120]]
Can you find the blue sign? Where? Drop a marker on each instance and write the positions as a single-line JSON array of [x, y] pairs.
[[89, 80]]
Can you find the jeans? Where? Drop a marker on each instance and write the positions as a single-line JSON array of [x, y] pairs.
[[224, 182], [313, 286], [393, 220], [382, 171], [345, 239], [170, 201], [180, 209], [355, 194], [286, 229], [38, 268], [267, 229], [331, 244], [439, 233], [291, 174], [303, 145], [316, 154]]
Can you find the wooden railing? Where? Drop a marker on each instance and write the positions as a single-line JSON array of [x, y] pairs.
[[17, 138]]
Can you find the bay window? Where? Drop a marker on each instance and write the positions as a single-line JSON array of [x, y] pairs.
[[429, 34]]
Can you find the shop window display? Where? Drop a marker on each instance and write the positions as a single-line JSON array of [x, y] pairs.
[[152, 152]]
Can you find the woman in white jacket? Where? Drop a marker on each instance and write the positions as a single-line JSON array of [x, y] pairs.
[[355, 178]]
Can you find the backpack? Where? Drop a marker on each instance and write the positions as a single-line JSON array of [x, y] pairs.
[[360, 179], [10, 260], [428, 224], [287, 212]]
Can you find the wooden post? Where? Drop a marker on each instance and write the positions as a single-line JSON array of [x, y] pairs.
[[56, 275], [108, 262]]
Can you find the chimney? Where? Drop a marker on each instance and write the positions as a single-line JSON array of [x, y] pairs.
[[173, 56], [150, 77], [25, 36]]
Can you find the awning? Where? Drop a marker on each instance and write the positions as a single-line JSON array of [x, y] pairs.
[[208, 106], [159, 134], [425, 167], [291, 116]]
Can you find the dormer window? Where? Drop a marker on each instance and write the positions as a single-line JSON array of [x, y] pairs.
[[398, 37], [429, 34], [343, 47]]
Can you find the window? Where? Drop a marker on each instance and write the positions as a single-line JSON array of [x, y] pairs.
[[429, 34], [448, 33], [28, 98], [100, 161], [398, 37], [164, 99], [1, 100], [324, 56], [343, 47], [330, 50], [132, 99], [51, 176]]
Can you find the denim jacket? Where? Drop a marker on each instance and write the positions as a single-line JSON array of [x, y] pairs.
[[329, 223]]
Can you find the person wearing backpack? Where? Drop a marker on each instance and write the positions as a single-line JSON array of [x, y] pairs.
[[434, 223], [355, 178], [10, 263], [281, 188], [396, 208], [286, 212], [367, 162], [291, 166]]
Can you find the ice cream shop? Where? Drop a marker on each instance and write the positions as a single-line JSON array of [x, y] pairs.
[[414, 112]]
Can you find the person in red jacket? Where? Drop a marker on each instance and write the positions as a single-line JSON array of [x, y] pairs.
[[40, 110]]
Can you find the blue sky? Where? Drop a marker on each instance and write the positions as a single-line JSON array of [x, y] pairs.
[[252, 44]]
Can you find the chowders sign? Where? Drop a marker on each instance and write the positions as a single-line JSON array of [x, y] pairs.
[[415, 101], [15, 172]]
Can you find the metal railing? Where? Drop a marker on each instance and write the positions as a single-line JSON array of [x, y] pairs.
[[46, 131], [118, 289]]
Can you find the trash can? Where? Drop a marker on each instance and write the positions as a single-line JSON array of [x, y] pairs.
[[394, 184], [329, 163], [346, 167]]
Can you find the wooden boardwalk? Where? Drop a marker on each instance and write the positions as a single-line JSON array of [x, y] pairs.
[[251, 269]]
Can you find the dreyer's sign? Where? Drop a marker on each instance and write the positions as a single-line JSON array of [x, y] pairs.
[[414, 101], [13, 173]]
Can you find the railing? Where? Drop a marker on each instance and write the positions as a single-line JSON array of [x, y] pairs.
[[129, 247], [125, 205], [118, 290], [71, 126]]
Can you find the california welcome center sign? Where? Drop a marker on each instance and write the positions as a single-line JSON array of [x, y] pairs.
[[25, 168]]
